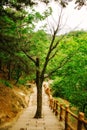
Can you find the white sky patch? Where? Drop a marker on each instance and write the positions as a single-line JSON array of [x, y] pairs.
[[72, 19], [77, 18]]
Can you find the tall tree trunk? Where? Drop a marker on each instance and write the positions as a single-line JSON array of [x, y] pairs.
[[39, 103], [39, 81], [18, 74]]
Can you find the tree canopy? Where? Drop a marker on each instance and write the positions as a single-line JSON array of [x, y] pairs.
[[70, 80]]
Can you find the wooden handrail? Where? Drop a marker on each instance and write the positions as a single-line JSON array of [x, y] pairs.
[[66, 117], [55, 106], [61, 112], [80, 123], [72, 114]]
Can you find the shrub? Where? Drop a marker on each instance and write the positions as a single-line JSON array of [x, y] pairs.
[[79, 98], [57, 89], [6, 83]]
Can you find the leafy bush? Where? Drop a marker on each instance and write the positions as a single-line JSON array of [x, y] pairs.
[[79, 98], [22, 81], [57, 90], [25, 79], [6, 83]]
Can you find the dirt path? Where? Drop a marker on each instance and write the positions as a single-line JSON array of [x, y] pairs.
[[27, 122]]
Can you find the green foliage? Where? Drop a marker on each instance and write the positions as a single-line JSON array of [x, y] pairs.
[[17, 27], [39, 42], [73, 75], [48, 12], [22, 81], [6, 83], [79, 98], [57, 90]]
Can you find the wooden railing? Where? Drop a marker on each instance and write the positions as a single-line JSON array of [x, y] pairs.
[[64, 114]]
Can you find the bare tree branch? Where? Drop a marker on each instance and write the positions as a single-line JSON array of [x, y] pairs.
[[29, 56], [57, 43], [52, 46], [63, 62], [53, 55]]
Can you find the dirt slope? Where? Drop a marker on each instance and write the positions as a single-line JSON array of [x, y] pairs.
[[12, 102]]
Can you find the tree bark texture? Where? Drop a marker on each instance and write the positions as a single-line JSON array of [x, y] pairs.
[[39, 103], [39, 91]]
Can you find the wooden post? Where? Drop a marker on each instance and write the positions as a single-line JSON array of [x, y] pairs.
[[54, 103], [51, 101], [80, 118], [66, 117], [56, 111], [61, 112]]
